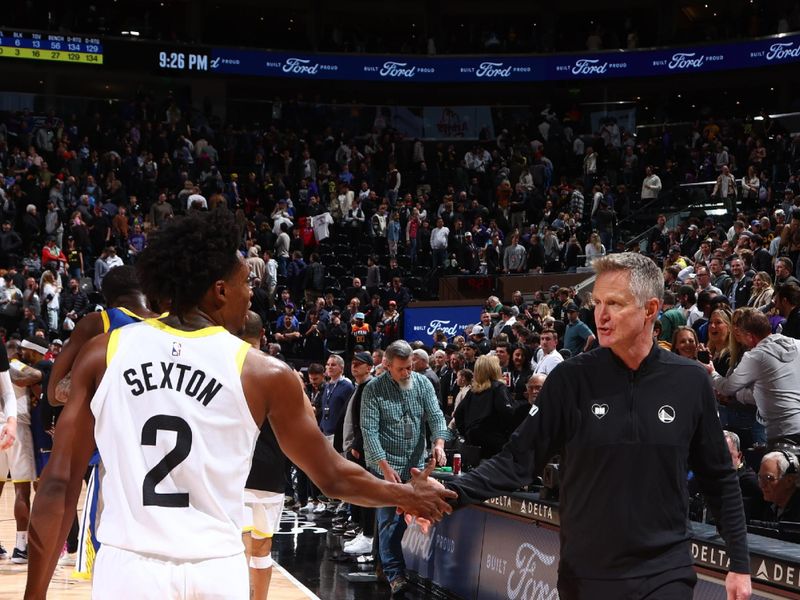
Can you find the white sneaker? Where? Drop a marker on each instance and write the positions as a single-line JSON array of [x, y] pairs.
[[67, 559], [362, 546], [356, 539], [308, 507], [319, 508], [365, 558]]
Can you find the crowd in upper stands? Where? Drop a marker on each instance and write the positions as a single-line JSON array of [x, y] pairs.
[[341, 222]]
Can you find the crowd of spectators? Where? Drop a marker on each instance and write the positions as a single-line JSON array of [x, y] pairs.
[[341, 228]]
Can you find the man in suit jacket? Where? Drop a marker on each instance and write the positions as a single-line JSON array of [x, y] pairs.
[[739, 292]]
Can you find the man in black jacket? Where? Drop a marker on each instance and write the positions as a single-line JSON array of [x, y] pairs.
[[627, 420], [739, 292], [787, 301], [353, 445], [74, 301]]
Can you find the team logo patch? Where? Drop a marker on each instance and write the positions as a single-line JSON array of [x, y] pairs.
[[666, 414], [599, 410], [176, 348]]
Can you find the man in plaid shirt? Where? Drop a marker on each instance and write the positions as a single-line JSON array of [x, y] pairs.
[[394, 409]]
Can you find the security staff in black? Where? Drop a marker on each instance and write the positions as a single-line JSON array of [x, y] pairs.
[[629, 420]]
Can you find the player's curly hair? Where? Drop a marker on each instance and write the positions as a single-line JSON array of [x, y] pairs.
[[186, 256]]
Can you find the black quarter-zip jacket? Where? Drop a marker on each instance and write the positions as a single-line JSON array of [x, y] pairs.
[[627, 440]]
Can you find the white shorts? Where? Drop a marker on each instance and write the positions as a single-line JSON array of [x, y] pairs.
[[123, 574], [262, 513], [19, 458]]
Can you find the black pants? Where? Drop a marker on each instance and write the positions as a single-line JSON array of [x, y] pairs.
[[365, 517], [675, 584]]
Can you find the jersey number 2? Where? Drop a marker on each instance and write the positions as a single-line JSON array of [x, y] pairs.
[[183, 444]]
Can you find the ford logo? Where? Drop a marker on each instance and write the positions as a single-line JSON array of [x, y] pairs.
[[397, 69], [300, 66], [589, 66], [685, 60], [783, 50], [490, 69]]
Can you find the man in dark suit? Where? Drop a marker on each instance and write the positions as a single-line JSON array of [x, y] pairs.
[[739, 292], [470, 259]]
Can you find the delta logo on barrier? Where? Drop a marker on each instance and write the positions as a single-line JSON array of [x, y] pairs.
[[421, 323]]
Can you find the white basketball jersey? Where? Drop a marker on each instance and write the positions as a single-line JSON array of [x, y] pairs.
[[176, 439]]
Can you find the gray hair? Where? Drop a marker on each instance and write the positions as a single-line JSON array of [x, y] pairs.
[[398, 349], [337, 359], [734, 438], [780, 458], [421, 354], [440, 353], [646, 279]]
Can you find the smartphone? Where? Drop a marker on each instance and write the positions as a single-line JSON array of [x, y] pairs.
[[704, 356]]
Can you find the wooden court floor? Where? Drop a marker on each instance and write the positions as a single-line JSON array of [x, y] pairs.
[[64, 587]]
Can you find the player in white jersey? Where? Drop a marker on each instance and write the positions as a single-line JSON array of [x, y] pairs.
[[174, 407], [8, 420], [19, 458]]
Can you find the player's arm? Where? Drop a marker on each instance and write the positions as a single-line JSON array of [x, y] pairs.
[[274, 392], [57, 498], [24, 376], [8, 432], [59, 383]]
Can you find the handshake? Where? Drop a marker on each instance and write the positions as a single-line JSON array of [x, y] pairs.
[[428, 501]]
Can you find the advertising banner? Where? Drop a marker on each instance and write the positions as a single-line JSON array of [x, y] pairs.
[[421, 323], [659, 62], [519, 561], [448, 553]]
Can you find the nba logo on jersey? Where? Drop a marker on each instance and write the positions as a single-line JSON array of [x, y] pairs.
[[176, 348]]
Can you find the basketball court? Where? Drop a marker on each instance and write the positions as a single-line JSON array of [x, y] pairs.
[[65, 587]]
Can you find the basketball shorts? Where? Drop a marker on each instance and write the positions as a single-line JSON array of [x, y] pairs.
[[19, 458], [117, 572], [262, 513]]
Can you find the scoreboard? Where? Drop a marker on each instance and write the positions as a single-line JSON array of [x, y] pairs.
[[51, 47]]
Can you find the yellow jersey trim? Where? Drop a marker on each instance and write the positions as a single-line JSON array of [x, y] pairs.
[[198, 333], [241, 355], [113, 344], [106, 321]]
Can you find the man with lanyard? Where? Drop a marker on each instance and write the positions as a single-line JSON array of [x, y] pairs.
[[627, 419], [127, 304], [353, 446]]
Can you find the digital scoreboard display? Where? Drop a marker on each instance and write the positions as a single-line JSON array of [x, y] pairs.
[[51, 47]]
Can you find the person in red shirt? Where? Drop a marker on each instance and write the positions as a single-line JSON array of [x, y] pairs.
[[52, 253]]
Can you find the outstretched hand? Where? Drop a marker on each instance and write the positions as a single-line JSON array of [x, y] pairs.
[[429, 499], [8, 434]]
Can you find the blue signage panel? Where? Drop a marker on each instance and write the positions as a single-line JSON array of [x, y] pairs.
[[519, 560], [534, 68], [448, 553], [421, 323]]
